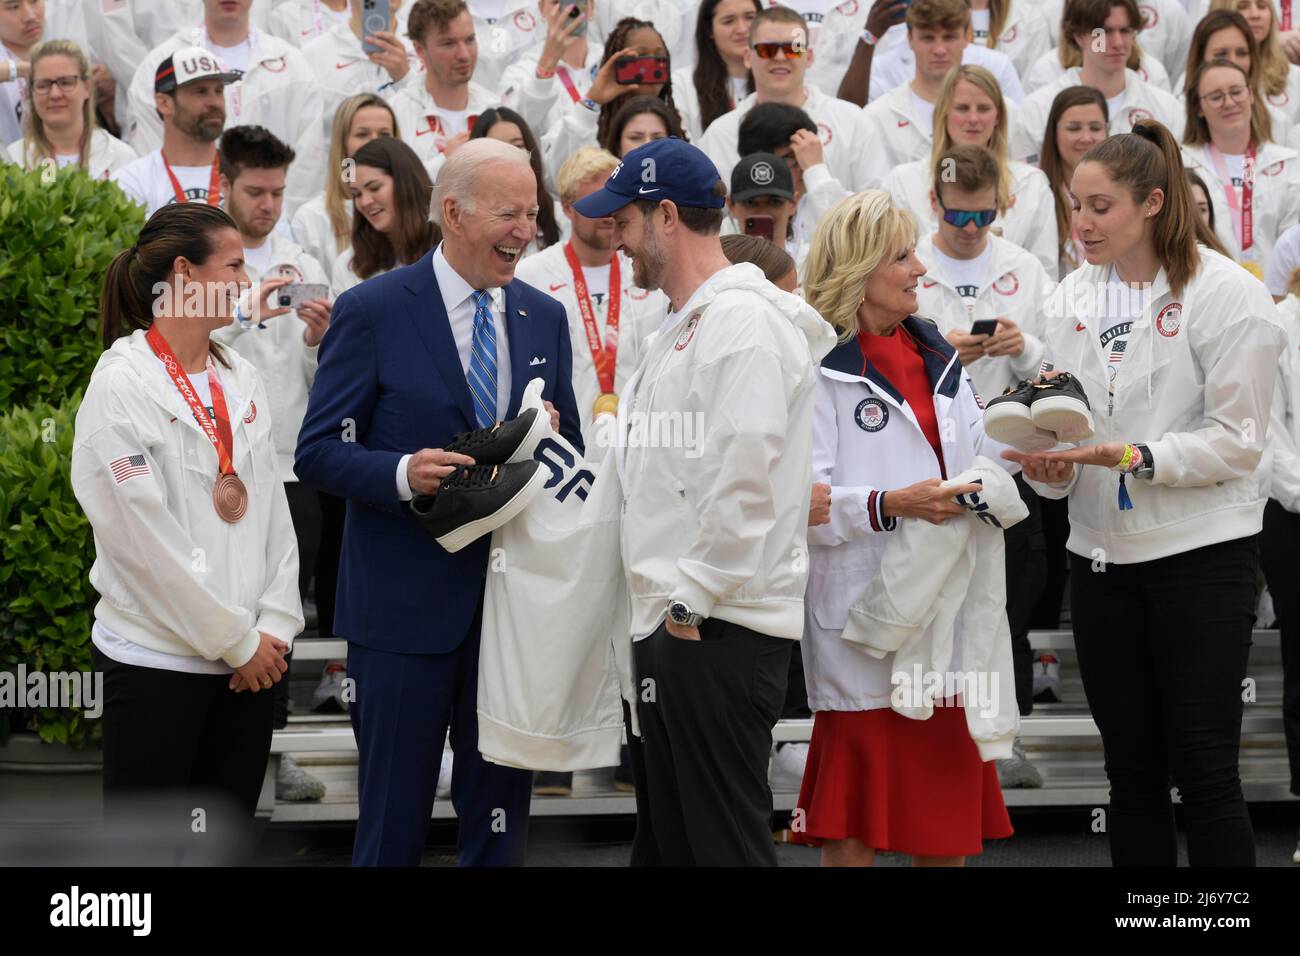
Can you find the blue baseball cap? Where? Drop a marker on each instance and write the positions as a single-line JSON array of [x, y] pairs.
[[668, 168]]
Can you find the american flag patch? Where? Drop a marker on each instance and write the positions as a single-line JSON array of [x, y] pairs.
[[1117, 351], [128, 467]]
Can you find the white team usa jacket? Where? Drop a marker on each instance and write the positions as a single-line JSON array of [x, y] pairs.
[[640, 314], [1284, 432], [1014, 286], [1030, 222], [424, 125], [1275, 205], [866, 441], [107, 155], [172, 575], [715, 464], [1141, 101], [1196, 385], [896, 134], [285, 361]]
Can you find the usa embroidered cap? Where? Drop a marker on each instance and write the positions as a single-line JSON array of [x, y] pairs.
[[761, 174], [186, 65], [668, 168]]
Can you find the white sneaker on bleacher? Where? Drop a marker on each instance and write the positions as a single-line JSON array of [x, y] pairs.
[[787, 768], [444, 775], [1047, 677], [296, 785], [1018, 772], [328, 695]]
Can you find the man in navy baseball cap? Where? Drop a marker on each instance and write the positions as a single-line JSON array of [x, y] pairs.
[[667, 200]]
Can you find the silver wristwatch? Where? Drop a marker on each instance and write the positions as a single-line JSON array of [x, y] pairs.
[[682, 615], [1147, 468]]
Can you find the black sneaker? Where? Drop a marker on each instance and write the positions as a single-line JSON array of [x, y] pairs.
[[1061, 407], [475, 501], [1007, 419], [548, 783], [504, 442]]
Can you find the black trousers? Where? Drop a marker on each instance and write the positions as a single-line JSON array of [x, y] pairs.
[[174, 735], [706, 710], [1055, 515], [1162, 648], [1279, 557], [1026, 566]]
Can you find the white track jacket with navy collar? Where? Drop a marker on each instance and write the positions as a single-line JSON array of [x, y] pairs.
[[866, 441]]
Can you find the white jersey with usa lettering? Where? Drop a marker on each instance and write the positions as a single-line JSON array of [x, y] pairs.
[[640, 313]]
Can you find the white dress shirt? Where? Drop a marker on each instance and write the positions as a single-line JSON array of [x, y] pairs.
[[457, 298]]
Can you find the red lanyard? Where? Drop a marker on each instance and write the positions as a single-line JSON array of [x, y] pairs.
[[214, 182], [220, 435], [440, 131], [563, 73], [603, 358], [1243, 219], [1286, 14]]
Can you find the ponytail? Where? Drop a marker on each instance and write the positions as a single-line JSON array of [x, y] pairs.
[[176, 230], [1148, 159]]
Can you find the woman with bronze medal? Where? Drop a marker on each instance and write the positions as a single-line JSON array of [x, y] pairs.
[[195, 557]]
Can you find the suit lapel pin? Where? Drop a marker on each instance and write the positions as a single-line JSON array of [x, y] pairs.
[[522, 311]]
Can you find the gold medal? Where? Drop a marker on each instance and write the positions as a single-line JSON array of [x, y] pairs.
[[230, 497], [607, 403], [1254, 269]]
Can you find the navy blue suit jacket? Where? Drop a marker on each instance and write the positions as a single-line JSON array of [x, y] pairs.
[[390, 383]]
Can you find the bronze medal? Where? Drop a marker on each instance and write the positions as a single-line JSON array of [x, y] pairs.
[[230, 497]]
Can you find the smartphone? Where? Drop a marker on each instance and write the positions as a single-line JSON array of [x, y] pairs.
[[629, 70], [984, 327], [296, 293], [760, 226], [374, 19], [579, 8]]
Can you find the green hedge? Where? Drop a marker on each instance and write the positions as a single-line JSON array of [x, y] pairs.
[[46, 601], [58, 233]]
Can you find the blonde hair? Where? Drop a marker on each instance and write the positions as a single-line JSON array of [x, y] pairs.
[[859, 234], [36, 145], [1273, 65], [338, 198], [987, 84], [587, 163]]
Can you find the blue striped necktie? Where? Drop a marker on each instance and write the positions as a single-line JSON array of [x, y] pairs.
[[482, 375]]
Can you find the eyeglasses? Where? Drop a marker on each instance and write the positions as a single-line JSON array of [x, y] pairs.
[[790, 50], [66, 83], [962, 217], [1216, 99]]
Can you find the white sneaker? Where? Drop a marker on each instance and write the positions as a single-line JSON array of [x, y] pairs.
[[296, 785], [1047, 676], [1018, 772], [444, 775], [328, 695], [788, 765]]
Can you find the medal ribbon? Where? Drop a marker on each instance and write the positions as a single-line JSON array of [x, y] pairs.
[[603, 358], [563, 73], [214, 182], [220, 435], [1243, 219]]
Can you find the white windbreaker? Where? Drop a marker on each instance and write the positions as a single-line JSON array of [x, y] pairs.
[[866, 440], [312, 230], [108, 154], [424, 124], [518, 32], [1197, 386], [1030, 222], [1141, 101], [342, 69], [172, 575], [300, 21], [674, 19], [1275, 202], [896, 134], [1284, 430], [1014, 286], [285, 361], [715, 469], [1166, 31], [845, 146], [534, 99], [938, 605], [834, 44], [1047, 69], [640, 315]]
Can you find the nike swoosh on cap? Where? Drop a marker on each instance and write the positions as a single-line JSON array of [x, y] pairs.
[[643, 190]]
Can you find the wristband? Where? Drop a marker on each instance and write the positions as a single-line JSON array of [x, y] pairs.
[[1130, 460], [590, 104], [543, 74], [869, 38]]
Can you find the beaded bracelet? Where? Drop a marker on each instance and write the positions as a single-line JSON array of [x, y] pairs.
[[1130, 461]]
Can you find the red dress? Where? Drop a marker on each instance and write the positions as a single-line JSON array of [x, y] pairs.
[[897, 784]]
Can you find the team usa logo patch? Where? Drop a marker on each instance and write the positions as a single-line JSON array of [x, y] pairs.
[[871, 415], [524, 21], [688, 333], [1137, 113], [1010, 35], [278, 65], [1007, 284], [252, 413], [1169, 319], [638, 293], [1278, 99], [848, 9], [1274, 169], [1149, 16], [825, 133]]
